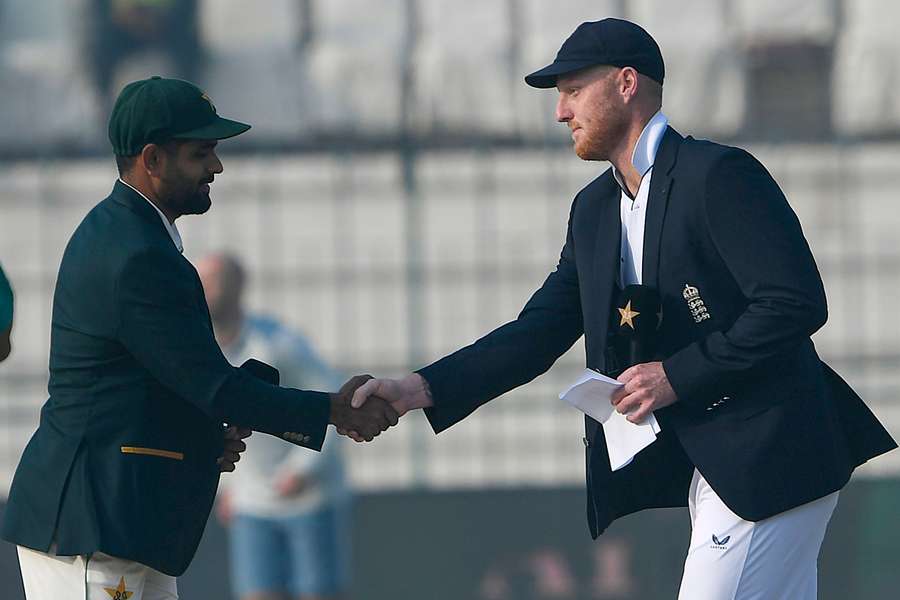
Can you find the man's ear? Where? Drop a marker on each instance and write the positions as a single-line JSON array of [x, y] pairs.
[[152, 159], [628, 83]]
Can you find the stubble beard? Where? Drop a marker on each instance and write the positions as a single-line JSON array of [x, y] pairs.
[[598, 143], [602, 132], [195, 203], [185, 198]]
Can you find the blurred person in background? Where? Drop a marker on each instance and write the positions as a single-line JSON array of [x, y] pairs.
[[116, 30], [757, 434], [6, 316], [286, 507], [114, 489]]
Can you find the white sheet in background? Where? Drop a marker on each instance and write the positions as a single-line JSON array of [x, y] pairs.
[[592, 394]]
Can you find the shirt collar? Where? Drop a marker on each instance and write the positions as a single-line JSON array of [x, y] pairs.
[[170, 227], [644, 154]]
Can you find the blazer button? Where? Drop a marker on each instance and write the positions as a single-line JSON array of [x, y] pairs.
[[286, 435], [587, 443]]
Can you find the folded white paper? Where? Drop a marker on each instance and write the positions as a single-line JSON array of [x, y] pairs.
[[592, 394]]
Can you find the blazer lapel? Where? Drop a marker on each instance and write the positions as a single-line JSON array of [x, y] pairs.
[[607, 247], [660, 188], [127, 197]]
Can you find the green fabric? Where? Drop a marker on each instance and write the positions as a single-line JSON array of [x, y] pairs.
[[155, 110], [134, 364], [6, 302]]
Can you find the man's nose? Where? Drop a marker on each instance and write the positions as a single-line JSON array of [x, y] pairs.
[[563, 112], [217, 166]]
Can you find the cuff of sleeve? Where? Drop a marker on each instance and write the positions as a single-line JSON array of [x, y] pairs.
[[309, 422], [298, 416], [439, 416], [689, 385]]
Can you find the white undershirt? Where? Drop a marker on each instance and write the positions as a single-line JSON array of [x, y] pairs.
[[170, 227], [634, 212]]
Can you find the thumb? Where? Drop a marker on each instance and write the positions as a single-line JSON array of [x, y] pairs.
[[363, 392], [399, 407]]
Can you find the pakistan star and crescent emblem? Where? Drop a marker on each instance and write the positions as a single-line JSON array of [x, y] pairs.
[[205, 97], [628, 315], [119, 593]]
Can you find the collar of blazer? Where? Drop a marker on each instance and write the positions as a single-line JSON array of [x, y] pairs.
[[127, 197], [657, 202]]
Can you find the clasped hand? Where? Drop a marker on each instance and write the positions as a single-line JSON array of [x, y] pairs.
[[362, 423], [400, 395]]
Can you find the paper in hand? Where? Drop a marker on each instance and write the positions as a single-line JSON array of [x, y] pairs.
[[592, 394]]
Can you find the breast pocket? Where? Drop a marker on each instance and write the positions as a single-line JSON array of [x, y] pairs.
[[170, 454]]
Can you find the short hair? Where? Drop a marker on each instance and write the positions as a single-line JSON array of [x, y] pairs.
[[233, 274], [125, 163], [654, 90], [234, 269]]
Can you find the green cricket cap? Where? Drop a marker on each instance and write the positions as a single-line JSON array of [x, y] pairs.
[[156, 110]]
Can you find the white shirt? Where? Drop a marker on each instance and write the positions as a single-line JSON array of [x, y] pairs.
[[634, 212], [267, 457], [170, 227]]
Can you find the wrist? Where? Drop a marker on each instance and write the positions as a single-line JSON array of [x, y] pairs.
[[416, 391], [334, 406]]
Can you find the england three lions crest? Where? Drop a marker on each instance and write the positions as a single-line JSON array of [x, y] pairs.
[[695, 303]]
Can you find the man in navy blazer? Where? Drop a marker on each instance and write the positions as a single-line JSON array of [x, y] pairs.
[[758, 435], [113, 491]]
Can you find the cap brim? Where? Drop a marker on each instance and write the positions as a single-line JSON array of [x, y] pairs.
[[546, 77], [219, 129]]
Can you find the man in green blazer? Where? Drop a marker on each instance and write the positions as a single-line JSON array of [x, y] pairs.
[[6, 316], [113, 491]]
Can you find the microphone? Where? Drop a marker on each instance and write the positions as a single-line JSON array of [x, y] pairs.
[[638, 315]]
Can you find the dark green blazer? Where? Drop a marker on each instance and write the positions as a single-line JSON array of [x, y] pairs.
[[124, 458]]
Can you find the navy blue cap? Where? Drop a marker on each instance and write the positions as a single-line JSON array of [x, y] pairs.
[[613, 42]]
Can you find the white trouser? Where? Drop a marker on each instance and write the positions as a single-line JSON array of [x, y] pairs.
[[94, 577], [734, 559]]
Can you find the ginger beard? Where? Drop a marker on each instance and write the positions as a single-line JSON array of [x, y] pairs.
[[602, 122]]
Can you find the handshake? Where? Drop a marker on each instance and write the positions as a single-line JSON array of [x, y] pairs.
[[364, 406]]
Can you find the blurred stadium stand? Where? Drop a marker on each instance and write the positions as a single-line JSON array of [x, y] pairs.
[[705, 71], [258, 44], [867, 69], [402, 190]]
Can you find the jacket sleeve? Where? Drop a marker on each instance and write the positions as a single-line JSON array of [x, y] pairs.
[[514, 353], [163, 324], [6, 303], [759, 239]]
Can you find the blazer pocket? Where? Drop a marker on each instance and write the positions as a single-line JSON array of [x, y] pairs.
[[153, 452]]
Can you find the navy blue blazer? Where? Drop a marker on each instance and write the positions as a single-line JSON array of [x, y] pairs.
[[124, 458], [758, 414]]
